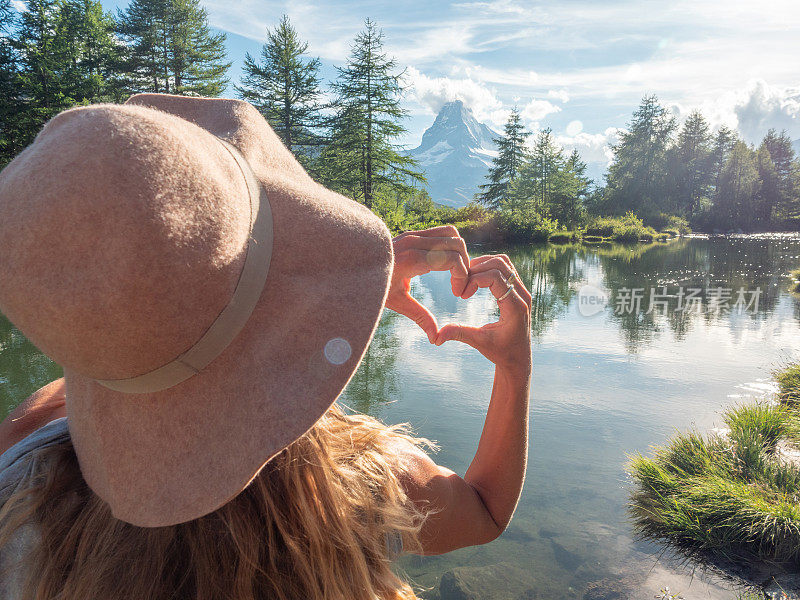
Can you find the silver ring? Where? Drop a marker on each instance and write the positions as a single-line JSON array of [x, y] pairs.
[[511, 278], [508, 291]]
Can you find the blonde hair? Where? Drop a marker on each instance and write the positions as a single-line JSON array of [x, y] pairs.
[[316, 523]]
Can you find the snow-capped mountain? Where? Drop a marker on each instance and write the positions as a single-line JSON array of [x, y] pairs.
[[455, 154]]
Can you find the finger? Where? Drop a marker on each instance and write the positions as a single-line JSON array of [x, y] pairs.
[[488, 263], [437, 244], [465, 334], [440, 231], [411, 308], [511, 305], [420, 262], [522, 289], [502, 264]]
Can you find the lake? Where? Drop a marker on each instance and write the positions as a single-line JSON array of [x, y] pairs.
[[605, 385], [618, 366]]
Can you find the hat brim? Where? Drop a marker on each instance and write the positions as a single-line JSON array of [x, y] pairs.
[[172, 456]]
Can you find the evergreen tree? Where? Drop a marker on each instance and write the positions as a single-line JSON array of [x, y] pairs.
[[368, 115], [504, 169], [691, 175], [574, 207], [67, 55], [723, 144], [769, 191], [539, 176], [782, 155], [738, 186], [10, 98], [549, 185], [284, 86], [172, 48], [637, 177]]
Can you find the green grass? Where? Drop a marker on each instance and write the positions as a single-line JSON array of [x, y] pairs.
[[789, 383], [725, 496]]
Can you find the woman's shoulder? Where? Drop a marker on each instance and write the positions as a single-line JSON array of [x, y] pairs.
[[15, 463]]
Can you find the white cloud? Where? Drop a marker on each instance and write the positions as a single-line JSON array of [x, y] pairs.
[[560, 95], [593, 147], [536, 110], [434, 92], [752, 110], [764, 107]]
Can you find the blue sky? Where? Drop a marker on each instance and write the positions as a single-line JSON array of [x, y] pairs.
[[577, 66]]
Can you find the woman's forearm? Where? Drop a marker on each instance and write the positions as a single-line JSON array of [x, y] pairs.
[[497, 471], [40, 408]]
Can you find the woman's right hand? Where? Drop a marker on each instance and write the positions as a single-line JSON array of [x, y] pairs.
[[506, 342]]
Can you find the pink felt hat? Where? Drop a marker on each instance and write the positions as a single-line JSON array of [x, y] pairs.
[[207, 299]]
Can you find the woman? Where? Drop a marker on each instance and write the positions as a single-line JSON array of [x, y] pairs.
[[208, 302]]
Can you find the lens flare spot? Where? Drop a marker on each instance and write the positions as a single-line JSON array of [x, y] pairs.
[[574, 128], [338, 351], [437, 259]]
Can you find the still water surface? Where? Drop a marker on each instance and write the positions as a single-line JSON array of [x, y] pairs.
[[604, 386]]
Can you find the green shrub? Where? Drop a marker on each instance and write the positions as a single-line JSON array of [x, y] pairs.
[[663, 237], [663, 222], [526, 227], [601, 227], [671, 232], [628, 228]]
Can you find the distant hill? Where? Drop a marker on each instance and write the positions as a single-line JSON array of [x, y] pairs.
[[455, 154]]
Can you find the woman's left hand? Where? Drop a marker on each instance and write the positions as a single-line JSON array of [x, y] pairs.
[[420, 252]]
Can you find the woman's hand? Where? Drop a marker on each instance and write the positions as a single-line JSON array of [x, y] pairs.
[[507, 342], [420, 252]]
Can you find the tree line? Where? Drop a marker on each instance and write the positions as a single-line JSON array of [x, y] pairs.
[[55, 54], [665, 174]]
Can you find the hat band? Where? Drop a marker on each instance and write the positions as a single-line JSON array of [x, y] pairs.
[[235, 315]]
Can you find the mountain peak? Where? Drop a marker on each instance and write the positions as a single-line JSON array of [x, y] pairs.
[[455, 153]]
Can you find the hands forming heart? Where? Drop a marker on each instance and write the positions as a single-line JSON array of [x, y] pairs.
[[506, 342]]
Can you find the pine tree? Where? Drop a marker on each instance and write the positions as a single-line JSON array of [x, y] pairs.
[[67, 55], [769, 192], [691, 175], [284, 86], [172, 49], [738, 186], [506, 166], [367, 120], [782, 155], [637, 177], [574, 209], [723, 144], [10, 97]]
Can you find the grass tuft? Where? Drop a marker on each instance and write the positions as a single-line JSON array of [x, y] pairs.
[[725, 496], [789, 384]]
